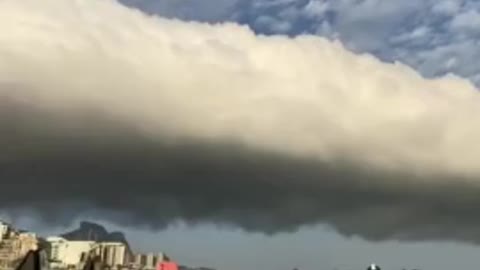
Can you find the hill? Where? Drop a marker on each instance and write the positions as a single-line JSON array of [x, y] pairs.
[[89, 231]]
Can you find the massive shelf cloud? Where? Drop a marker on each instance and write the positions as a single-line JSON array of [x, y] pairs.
[[153, 120]]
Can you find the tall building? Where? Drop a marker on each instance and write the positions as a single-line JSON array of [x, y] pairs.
[[150, 261], [160, 258], [28, 241], [15, 245], [67, 254], [4, 228], [63, 253], [114, 254], [138, 261]]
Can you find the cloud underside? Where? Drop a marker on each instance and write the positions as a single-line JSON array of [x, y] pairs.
[[136, 181], [152, 121]]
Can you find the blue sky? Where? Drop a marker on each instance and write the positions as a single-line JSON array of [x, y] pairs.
[[433, 36]]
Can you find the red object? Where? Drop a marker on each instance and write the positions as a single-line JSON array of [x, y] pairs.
[[167, 266]]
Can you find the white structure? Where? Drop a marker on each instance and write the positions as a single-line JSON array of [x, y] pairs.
[[160, 257], [138, 261], [28, 241], [15, 245], [65, 253], [4, 228], [147, 261], [150, 264], [114, 254]]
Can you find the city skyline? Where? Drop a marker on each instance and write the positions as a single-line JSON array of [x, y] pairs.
[[71, 249], [312, 248]]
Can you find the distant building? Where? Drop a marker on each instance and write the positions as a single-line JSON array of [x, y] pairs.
[[15, 245], [113, 254], [150, 264], [4, 229], [70, 254], [160, 258], [138, 260], [28, 241], [148, 261], [63, 253]]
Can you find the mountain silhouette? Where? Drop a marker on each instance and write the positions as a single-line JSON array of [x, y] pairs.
[[89, 231]]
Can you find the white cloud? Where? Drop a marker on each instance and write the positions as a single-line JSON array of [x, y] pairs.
[[316, 8], [446, 7], [302, 96], [418, 33], [468, 20]]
